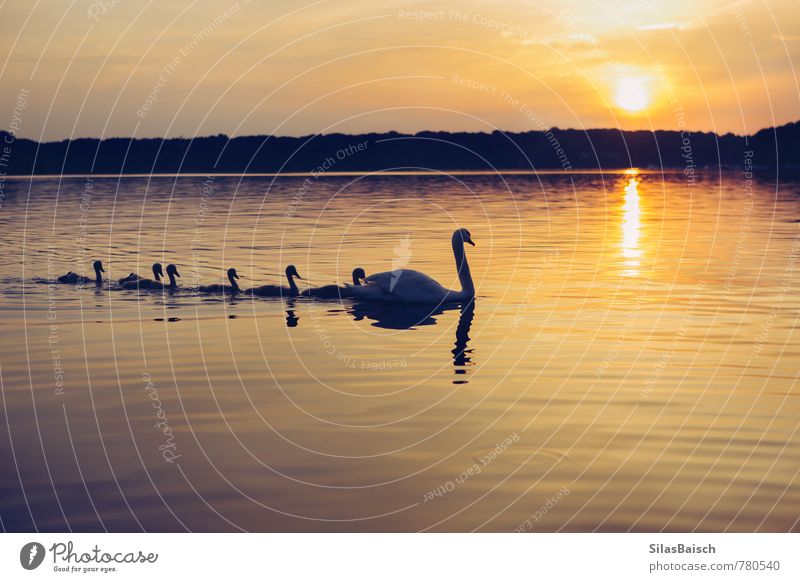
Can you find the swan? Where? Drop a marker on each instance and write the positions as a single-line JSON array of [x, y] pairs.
[[335, 291], [231, 289], [172, 272], [409, 286], [133, 281], [157, 284], [131, 277], [277, 290], [75, 279]]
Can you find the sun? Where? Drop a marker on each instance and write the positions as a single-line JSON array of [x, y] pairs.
[[632, 94]]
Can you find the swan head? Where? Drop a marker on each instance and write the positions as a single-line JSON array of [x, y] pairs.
[[463, 235], [173, 270], [358, 275], [232, 274], [291, 271], [158, 271], [98, 266]]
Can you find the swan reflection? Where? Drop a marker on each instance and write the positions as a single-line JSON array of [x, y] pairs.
[[291, 317], [392, 316], [410, 316], [461, 354]]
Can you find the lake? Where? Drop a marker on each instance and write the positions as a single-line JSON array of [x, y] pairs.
[[628, 363]]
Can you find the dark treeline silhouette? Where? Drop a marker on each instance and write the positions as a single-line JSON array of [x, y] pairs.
[[549, 149]]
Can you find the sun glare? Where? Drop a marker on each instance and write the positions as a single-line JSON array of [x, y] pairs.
[[631, 226], [631, 95]]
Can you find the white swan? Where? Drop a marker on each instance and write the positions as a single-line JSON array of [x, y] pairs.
[[231, 289], [277, 290], [335, 291], [75, 279], [408, 286]]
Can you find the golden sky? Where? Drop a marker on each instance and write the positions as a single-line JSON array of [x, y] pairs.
[[119, 67]]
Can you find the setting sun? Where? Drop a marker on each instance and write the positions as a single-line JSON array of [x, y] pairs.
[[631, 95]]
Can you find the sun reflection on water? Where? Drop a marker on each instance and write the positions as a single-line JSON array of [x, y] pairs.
[[631, 226]]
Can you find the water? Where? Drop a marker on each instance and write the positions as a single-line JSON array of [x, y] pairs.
[[630, 362]]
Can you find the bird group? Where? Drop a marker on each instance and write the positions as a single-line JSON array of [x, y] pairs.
[[132, 281], [397, 286]]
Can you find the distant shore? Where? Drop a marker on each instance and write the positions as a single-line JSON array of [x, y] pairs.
[[549, 149]]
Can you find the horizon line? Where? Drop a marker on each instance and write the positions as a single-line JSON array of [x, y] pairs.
[[411, 134]]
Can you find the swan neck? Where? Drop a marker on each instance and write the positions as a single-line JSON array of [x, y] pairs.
[[462, 267], [292, 285], [172, 282], [98, 277], [234, 284]]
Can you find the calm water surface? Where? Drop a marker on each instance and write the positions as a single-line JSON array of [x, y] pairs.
[[630, 362]]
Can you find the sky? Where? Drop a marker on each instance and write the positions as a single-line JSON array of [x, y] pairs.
[[110, 68]]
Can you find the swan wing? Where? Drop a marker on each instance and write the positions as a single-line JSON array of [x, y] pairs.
[[74, 279], [368, 292], [326, 292], [269, 291], [219, 288], [407, 285], [143, 284], [129, 278]]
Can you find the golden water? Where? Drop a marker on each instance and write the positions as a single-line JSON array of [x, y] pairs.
[[631, 357]]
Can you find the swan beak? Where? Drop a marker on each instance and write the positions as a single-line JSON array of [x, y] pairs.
[[177, 274], [102, 270], [469, 240]]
